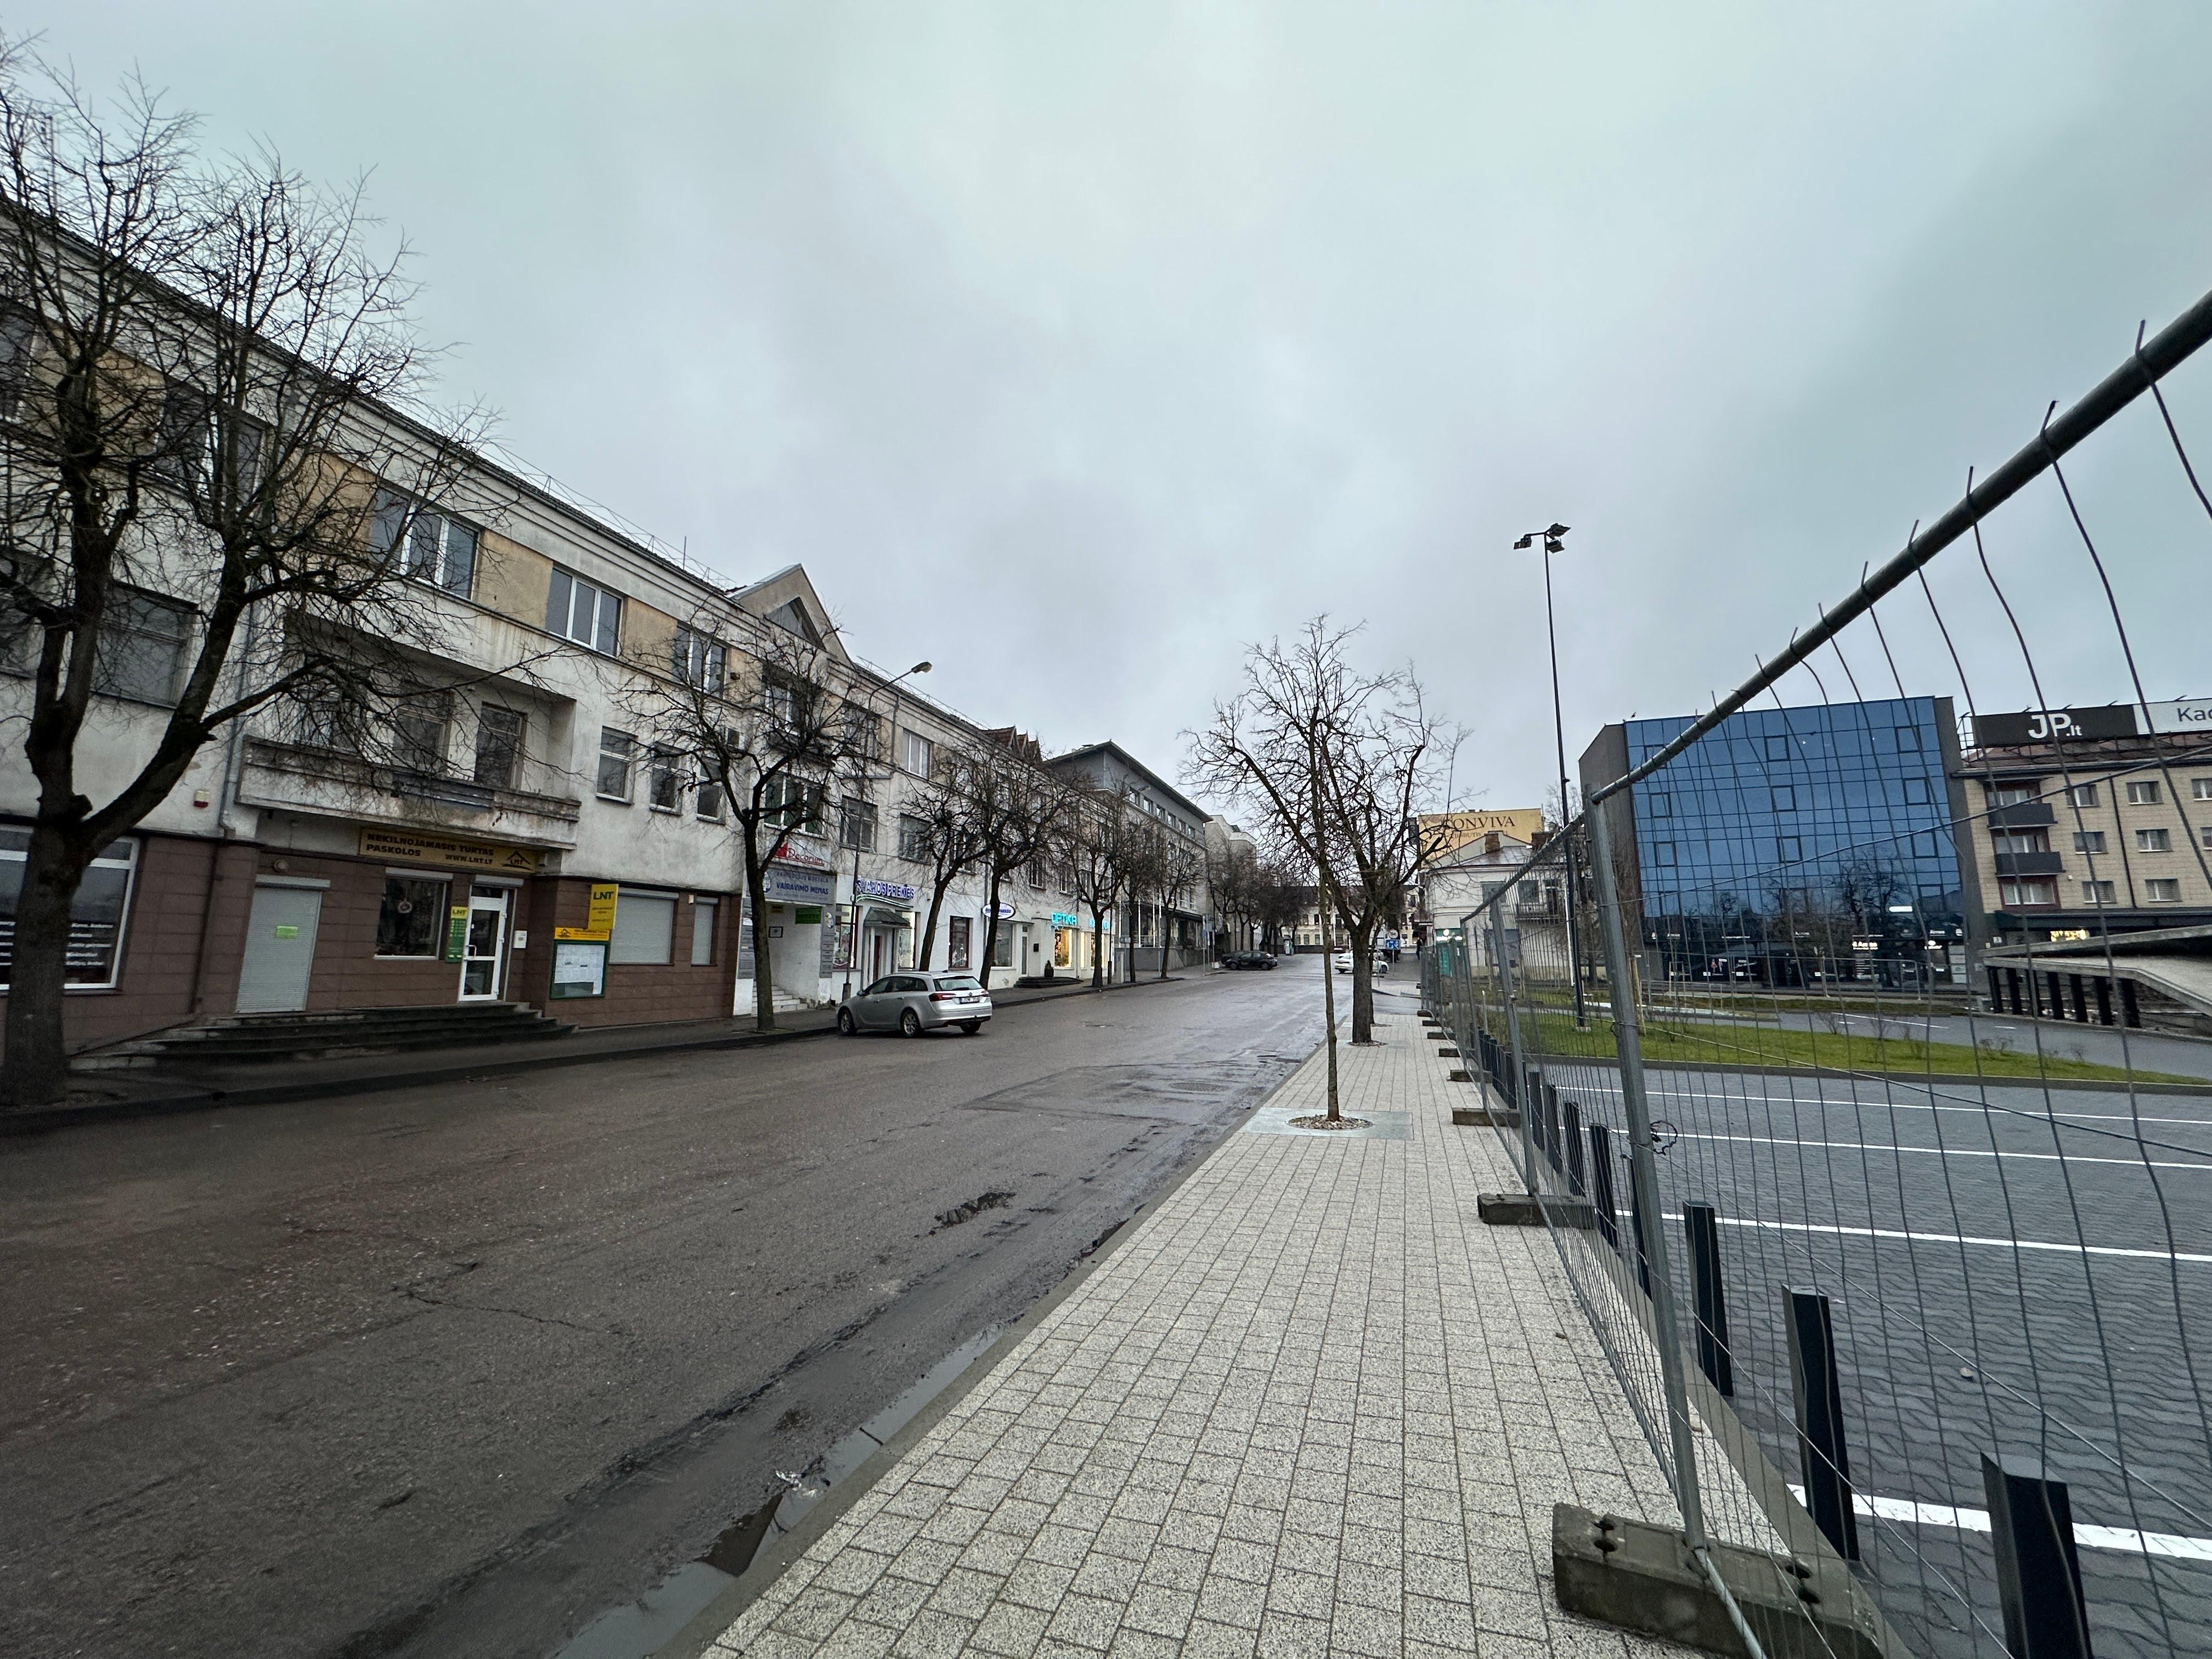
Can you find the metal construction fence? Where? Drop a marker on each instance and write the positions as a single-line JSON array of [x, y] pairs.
[[1889, 1206]]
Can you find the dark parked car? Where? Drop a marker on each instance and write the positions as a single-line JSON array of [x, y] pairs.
[[1248, 959]]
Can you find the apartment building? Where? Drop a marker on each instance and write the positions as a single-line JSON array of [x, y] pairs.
[[2091, 820], [1147, 927]]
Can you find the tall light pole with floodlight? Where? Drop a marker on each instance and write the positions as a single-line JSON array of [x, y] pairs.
[[1551, 538], [853, 941]]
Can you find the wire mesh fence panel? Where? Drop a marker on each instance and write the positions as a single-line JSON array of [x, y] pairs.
[[1898, 998]]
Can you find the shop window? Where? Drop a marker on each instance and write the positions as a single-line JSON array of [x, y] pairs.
[[140, 651], [645, 928], [2144, 792], [1002, 947], [577, 610], [499, 746], [408, 923], [2154, 840], [96, 915], [2162, 891], [957, 933], [616, 749], [702, 932], [432, 548]]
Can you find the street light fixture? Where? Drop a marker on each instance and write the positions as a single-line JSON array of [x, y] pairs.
[[853, 943], [1552, 543]]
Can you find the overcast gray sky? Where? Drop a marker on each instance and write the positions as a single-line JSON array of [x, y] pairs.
[[1073, 346]]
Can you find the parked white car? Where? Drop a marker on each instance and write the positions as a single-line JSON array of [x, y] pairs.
[[912, 1003], [1343, 961]]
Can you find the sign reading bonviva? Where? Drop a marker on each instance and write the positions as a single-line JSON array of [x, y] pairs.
[[887, 889]]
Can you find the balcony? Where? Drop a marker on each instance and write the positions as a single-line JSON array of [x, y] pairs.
[[2031, 864], [297, 777], [2022, 814]]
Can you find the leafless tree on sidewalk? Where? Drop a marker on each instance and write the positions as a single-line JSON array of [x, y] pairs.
[[1015, 811], [1097, 851], [948, 841]]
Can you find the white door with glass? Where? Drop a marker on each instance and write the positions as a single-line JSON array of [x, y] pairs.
[[484, 950]]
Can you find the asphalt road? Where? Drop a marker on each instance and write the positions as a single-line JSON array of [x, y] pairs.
[[2011, 1272], [449, 1372]]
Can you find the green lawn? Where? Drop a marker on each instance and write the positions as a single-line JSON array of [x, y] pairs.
[[1762, 1045]]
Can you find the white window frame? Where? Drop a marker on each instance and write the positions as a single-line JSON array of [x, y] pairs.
[[2099, 893], [115, 631], [2081, 794], [441, 551], [2155, 838], [704, 914], [701, 659], [664, 775], [626, 749], [2162, 890], [2201, 788], [912, 747], [601, 615], [2144, 792]]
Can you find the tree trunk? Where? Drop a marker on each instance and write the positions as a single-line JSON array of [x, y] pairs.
[[1097, 949], [1164, 936], [937, 892], [1328, 1000], [991, 928], [757, 899], [37, 1069], [1363, 983]]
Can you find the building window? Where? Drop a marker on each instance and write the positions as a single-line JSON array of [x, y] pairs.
[[711, 803], [2204, 835], [1908, 737], [1662, 854], [864, 733], [914, 839], [430, 547], [1660, 804], [2162, 891], [2028, 890], [2097, 892], [644, 927], [2024, 841], [856, 824], [2015, 794], [616, 749], [142, 646], [576, 610], [1039, 877], [1002, 947], [702, 932], [419, 736], [96, 913], [1790, 849], [2144, 792], [1783, 798], [2201, 788], [2088, 841], [17, 331], [915, 753], [499, 746], [664, 788], [789, 803], [700, 660], [1777, 747], [1915, 792], [955, 942], [2154, 840], [411, 920], [2081, 794]]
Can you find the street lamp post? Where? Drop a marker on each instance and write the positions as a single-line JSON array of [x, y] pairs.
[[853, 940], [1553, 545]]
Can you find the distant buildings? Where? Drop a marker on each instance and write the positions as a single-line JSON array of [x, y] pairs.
[[1795, 845]]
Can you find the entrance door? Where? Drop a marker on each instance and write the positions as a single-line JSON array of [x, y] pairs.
[[484, 954], [878, 950], [280, 950]]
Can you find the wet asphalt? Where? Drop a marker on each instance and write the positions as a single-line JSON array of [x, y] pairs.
[[453, 1371]]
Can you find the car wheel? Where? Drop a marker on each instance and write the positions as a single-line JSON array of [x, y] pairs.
[[845, 1026], [970, 1027], [910, 1023]]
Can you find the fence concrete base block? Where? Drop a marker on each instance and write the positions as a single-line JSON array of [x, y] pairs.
[[1447, 1053], [1522, 1209], [1642, 1578], [1462, 1076], [1484, 1117]]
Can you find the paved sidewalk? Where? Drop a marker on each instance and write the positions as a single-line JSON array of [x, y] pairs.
[[1310, 1406]]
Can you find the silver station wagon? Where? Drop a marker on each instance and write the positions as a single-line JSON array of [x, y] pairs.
[[922, 1000]]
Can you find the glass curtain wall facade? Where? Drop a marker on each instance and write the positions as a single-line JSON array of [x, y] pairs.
[[1795, 846]]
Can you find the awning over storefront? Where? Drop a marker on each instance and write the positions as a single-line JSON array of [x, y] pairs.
[[876, 916]]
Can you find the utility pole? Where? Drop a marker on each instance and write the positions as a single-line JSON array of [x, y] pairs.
[[1553, 545]]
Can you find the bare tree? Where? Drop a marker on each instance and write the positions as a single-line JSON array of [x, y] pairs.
[[949, 843], [210, 501], [1015, 811], [1096, 845], [1176, 869], [760, 723]]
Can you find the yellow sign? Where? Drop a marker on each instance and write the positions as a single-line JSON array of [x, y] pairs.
[[449, 850], [1456, 829], [599, 916]]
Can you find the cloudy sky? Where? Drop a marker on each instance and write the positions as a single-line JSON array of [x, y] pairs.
[[1073, 347]]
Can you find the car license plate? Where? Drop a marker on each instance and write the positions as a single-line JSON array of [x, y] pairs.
[[971, 998]]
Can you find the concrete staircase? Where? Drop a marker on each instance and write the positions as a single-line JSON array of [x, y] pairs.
[[247, 1039]]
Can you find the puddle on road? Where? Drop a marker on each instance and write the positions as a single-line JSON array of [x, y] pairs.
[[637, 1629]]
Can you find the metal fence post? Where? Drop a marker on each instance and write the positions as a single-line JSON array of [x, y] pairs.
[[1818, 1388], [1702, 1227], [2039, 1575], [1572, 1133], [1601, 1198], [1513, 1028], [1644, 1173]]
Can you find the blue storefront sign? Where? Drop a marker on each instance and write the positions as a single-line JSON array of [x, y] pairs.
[[789, 884], [885, 889]]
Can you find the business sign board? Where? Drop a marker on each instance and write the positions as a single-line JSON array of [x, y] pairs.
[[2119, 720], [1062, 918], [599, 915], [450, 850], [785, 883], [885, 889]]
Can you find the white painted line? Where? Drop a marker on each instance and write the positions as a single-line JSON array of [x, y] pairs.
[[1723, 1098], [1953, 1238], [2095, 1538], [2204, 1167]]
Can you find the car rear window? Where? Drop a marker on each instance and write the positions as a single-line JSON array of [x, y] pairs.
[[959, 982]]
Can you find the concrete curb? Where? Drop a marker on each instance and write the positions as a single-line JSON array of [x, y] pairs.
[[718, 1614], [277, 1094]]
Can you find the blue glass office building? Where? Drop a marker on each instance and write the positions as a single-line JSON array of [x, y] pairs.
[[1790, 845]]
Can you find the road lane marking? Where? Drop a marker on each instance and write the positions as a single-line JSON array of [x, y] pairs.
[[1953, 1238], [1925, 1106], [1953, 1151], [2096, 1538]]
